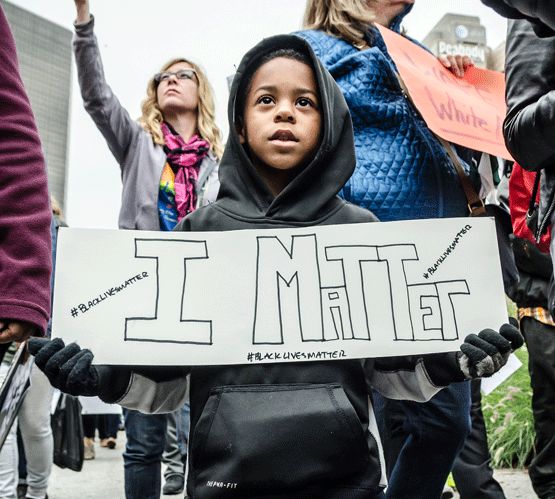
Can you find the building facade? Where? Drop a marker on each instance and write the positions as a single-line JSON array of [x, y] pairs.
[[44, 54], [496, 58], [459, 34]]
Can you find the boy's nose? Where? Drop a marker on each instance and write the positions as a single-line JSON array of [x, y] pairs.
[[285, 113]]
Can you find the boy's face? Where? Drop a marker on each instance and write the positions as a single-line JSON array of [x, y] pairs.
[[282, 122]]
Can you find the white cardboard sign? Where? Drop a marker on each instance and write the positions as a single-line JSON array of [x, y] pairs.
[[241, 297], [489, 384]]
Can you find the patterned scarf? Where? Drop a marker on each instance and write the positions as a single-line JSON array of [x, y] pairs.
[[184, 159]]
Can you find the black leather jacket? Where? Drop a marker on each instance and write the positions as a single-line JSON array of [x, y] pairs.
[[529, 127], [540, 12], [535, 270]]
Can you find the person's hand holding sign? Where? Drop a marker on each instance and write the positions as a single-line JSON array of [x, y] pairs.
[[15, 330], [457, 64], [69, 368], [484, 354]]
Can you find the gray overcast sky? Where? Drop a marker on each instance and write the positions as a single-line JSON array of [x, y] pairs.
[[137, 38]]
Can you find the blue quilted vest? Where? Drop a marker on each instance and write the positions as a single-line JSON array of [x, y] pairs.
[[402, 170]]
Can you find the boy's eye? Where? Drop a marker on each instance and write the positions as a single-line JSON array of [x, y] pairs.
[[304, 102]]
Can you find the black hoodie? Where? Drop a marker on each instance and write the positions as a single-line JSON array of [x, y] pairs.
[[295, 430], [244, 200]]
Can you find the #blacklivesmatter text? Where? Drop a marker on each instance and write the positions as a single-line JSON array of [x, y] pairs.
[[85, 307], [447, 252], [274, 356]]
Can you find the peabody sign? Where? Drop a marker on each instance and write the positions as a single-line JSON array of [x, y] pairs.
[[477, 53]]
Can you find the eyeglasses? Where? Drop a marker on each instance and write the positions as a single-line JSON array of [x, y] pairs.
[[182, 74]]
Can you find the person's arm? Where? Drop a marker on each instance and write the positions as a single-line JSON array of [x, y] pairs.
[[504, 9], [25, 214], [152, 394], [420, 377], [83, 12], [111, 118], [149, 389], [540, 13], [529, 127]]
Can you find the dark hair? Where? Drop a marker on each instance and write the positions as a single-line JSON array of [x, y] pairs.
[[245, 85]]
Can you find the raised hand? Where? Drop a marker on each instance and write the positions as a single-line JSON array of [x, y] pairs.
[[83, 14], [68, 368], [484, 354]]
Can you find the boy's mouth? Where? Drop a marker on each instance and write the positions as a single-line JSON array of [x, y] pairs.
[[284, 135]]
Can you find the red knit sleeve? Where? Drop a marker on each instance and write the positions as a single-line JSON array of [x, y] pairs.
[[25, 213]]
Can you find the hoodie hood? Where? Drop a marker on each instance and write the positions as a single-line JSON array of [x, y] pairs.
[[312, 194]]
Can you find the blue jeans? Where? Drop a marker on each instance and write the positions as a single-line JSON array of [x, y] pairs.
[[142, 459], [183, 424], [472, 471], [422, 441], [108, 426]]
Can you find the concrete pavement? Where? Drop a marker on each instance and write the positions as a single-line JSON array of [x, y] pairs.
[[516, 484], [102, 478]]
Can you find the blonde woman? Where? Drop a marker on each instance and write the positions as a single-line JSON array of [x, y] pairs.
[[169, 165], [177, 120]]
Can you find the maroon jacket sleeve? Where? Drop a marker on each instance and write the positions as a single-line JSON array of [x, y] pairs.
[[25, 213]]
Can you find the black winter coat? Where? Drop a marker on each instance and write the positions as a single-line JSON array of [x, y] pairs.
[[529, 127], [540, 12]]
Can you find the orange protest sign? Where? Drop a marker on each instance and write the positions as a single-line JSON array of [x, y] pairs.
[[468, 111]]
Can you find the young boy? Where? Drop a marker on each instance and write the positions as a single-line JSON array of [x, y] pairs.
[[295, 430]]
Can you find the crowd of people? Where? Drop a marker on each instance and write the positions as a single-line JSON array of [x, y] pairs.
[[321, 132]]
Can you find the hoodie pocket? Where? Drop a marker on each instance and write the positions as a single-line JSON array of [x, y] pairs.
[[263, 438]]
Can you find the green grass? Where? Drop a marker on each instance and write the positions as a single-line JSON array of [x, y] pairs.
[[508, 416]]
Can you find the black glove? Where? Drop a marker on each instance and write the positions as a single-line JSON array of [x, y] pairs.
[[68, 368], [484, 354]]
